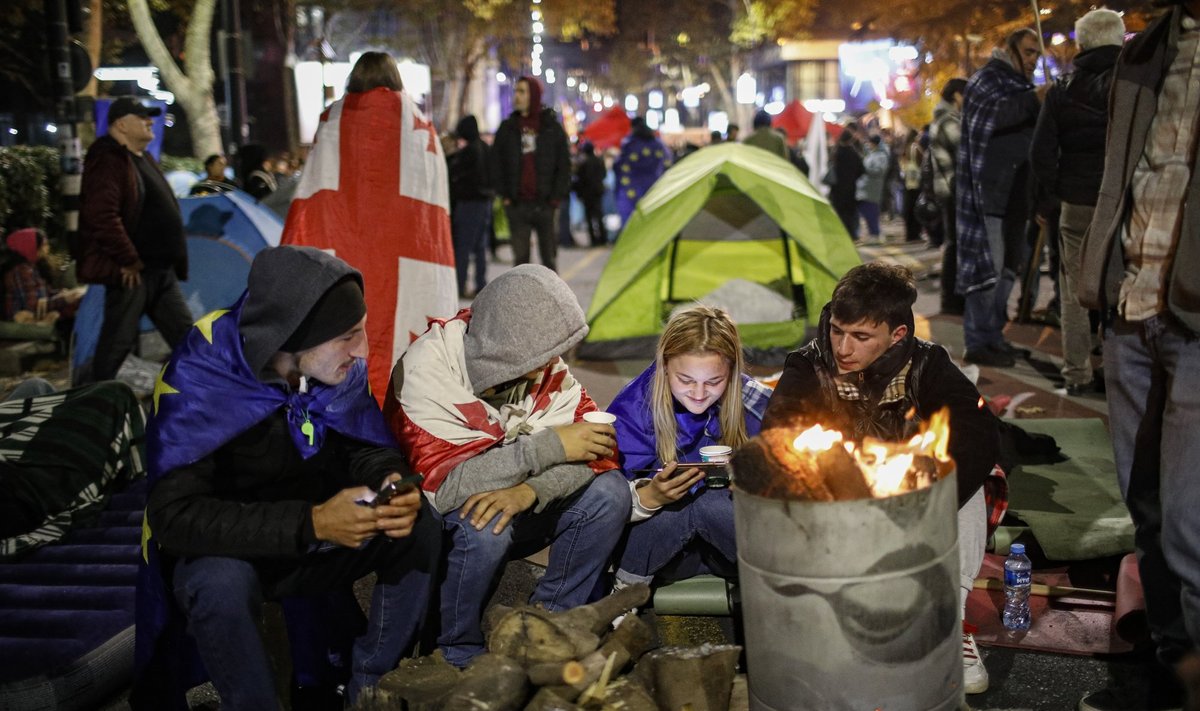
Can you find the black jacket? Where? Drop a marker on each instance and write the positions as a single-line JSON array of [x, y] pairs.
[[470, 174], [589, 177], [552, 158], [807, 392], [253, 497], [1067, 153], [847, 168]]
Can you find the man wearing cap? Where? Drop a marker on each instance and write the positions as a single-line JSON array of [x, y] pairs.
[[265, 453], [131, 237], [489, 414]]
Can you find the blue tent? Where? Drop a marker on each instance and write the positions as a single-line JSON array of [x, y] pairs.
[[224, 232]]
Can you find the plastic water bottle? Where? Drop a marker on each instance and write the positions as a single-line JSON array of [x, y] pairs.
[[1017, 573]]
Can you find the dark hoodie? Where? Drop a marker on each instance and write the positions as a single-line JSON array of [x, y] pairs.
[[807, 392], [530, 157], [469, 178], [252, 497]]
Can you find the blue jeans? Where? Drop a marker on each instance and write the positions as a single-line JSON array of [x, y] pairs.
[[469, 225], [582, 531], [870, 213], [985, 311], [1152, 376], [677, 529], [222, 599]]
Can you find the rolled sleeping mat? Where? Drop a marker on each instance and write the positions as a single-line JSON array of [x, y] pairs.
[[701, 595]]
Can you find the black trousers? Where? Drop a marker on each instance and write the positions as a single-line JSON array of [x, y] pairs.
[[159, 297], [526, 217], [593, 210]]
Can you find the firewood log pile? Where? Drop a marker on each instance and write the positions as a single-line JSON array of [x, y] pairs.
[[565, 661]]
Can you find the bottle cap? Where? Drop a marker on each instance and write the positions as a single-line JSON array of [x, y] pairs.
[[1017, 549]]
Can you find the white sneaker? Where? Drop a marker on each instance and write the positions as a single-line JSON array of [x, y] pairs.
[[975, 675]]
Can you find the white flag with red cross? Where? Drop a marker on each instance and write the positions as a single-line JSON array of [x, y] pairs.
[[375, 192]]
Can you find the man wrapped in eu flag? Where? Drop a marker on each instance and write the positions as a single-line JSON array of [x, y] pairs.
[[266, 451]]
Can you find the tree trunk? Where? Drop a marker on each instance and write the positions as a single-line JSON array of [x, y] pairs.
[[93, 41], [192, 89]]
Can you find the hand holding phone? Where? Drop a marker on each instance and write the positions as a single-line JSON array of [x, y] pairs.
[[390, 490], [670, 484]]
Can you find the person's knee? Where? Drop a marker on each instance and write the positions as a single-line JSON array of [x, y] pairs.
[[484, 546], [217, 584], [607, 497]]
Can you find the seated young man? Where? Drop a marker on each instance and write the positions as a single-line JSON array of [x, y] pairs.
[[264, 444], [864, 374], [486, 409]]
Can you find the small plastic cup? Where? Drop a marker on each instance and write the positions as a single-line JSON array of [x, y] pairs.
[[717, 478], [716, 453], [600, 418]]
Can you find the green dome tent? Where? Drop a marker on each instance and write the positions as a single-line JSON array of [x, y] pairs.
[[725, 212]]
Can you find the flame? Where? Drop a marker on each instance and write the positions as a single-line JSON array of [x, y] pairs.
[[817, 439], [889, 466]]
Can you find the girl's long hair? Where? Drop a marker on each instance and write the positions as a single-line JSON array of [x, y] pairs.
[[698, 330]]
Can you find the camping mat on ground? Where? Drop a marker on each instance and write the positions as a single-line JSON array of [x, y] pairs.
[[1074, 508], [1073, 624]]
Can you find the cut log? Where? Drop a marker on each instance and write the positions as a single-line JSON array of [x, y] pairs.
[[546, 700], [598, 616], [699, 678], [423, 682], [627, 643], [492, 683], [378, 700], [770, 466], [553, 674], [625, 694], [535, 636]]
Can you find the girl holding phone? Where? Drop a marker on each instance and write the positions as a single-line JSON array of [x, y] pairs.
[[694, 395]]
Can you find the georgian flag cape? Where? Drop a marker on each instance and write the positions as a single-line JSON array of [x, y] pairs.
[[375, 193], [441, 423]]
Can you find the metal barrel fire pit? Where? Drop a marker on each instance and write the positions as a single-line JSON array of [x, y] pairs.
[[851, 604]]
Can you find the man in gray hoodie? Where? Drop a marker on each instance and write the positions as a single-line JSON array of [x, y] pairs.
[[490, 415]]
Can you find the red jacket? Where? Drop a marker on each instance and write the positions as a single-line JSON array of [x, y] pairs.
[[110, 205]]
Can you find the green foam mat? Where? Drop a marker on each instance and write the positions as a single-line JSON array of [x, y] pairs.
[[1074, 508]]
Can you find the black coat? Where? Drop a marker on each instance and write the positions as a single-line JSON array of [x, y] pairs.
[[253, 497], [1067, 153], [552, 159], [847, 167], [470, 172], [589, 177]]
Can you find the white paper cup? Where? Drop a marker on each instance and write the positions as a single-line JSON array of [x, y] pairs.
[[599, 418], [716, 453]]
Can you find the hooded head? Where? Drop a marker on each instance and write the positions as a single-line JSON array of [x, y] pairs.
[[26, 243], [467, 128], [534, 87], [762, 119], [297, 298], [520, 321]]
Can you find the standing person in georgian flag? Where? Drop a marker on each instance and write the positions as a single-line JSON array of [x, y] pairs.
[[375, 191]]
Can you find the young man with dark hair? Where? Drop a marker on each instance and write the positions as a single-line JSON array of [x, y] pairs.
[[531, 167], [866, 374], [264, 448]]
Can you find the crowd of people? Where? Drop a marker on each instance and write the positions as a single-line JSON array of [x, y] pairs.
[[479, 448]]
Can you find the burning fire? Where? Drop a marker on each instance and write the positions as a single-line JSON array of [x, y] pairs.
[[890, 468]]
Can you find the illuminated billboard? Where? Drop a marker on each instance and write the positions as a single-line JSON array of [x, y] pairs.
[[874, 74]]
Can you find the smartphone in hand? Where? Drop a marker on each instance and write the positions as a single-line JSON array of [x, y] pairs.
[[391, 490]]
